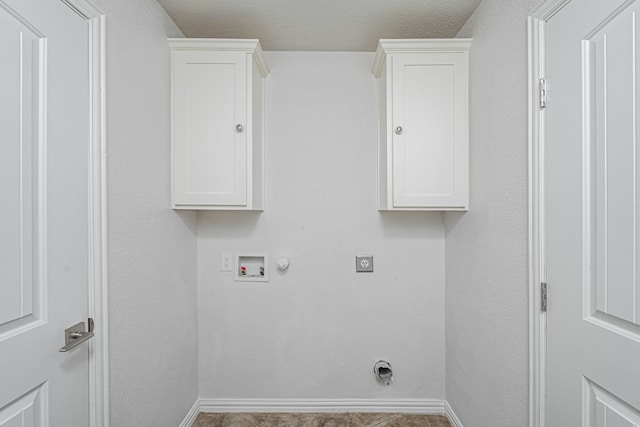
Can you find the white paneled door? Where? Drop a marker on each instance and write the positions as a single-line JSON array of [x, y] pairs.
[[592, 201], [44, 214]]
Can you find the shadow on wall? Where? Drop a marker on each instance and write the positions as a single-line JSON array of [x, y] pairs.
[[188, 218], [404, 224], [229, 224], [451, 219]]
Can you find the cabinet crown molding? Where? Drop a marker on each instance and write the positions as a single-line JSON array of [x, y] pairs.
[[251, 46], [389, 46]]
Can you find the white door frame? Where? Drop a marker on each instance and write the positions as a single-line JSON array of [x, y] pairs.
[[97, 247], [537, 249]]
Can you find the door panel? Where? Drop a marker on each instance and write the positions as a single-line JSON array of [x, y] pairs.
[[27, 410], [424, 152], [209, 162], [593, 374], [210, 99], [429, 104], [44, 220], [603, 409], [612, 97], [21, 72]]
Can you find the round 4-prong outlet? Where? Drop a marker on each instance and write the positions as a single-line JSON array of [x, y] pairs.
[[364, 263]]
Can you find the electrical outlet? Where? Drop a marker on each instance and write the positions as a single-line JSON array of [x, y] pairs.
[[226, 262], [364, 263]]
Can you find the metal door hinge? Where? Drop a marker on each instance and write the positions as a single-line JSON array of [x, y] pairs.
[[543, 93], [543, 297]]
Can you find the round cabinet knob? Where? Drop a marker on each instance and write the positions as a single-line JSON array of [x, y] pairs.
[[399, 130], [239, 128]]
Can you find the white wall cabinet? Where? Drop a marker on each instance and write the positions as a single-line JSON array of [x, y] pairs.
[[217, 124], [423, 124]]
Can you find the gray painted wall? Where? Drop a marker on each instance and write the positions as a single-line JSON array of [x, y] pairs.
[[151, 249], [316, 330], [486, 248], [153, 256]]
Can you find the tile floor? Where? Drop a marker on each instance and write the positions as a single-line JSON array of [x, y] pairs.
[[320, 420]]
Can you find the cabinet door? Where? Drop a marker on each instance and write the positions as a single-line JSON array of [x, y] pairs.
[[209, 135], [429, 119]]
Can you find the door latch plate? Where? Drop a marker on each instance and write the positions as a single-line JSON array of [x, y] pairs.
[[76, 335]]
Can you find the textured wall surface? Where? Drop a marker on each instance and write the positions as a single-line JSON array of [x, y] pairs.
[[316, 330], [486, 248], [151, 249]]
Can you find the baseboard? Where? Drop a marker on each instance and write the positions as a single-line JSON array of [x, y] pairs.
[[191, 416], [400, 406], [453, 418]]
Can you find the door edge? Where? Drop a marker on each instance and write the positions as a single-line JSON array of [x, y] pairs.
[[536, 22], [97, 284]]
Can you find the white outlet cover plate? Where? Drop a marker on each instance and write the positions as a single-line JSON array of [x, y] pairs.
[[226, 262], [364, 263]]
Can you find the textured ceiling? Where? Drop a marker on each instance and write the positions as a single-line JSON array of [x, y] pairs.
[[320, 25]]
